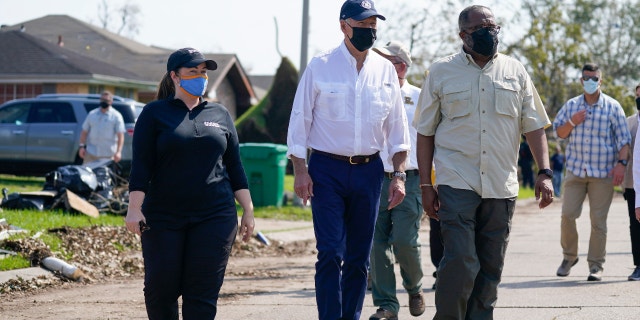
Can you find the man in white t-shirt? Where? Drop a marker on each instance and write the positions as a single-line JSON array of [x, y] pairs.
[[102, 133]]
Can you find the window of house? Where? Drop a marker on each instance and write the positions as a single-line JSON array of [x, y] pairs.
[[11, 91], [124, 92], [94, 88]]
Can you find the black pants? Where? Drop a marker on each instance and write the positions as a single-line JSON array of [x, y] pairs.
[[435, 242], [634, 225], [475, 232], [186, 256]]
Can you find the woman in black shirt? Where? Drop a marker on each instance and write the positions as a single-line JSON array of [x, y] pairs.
[[185, 177]]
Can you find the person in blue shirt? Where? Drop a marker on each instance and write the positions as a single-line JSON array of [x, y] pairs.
[[597, 155], [557, 165]]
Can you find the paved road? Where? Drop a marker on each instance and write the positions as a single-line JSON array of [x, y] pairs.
[[529, 290], [283, 288]]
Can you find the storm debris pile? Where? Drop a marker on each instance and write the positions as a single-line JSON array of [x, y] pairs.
[[108, 252], [101, 252]]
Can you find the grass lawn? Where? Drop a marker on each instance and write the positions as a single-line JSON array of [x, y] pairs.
[[40, 221]]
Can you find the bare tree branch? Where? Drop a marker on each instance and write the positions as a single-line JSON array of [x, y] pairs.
[[104, 14]]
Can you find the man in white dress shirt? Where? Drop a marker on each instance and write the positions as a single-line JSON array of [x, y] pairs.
[[348, 103], [396, 233]]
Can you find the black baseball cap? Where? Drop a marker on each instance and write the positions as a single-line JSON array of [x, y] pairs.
[[359, 10], [189, 58]]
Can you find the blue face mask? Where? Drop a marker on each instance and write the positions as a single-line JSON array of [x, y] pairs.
[[590, 86], [194, 85]]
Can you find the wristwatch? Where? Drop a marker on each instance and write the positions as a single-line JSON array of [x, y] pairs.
[[400, 174], [623, 162], [546, 172]]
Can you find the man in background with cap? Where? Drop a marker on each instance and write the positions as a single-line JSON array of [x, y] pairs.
[[348, 103], [396, 230]]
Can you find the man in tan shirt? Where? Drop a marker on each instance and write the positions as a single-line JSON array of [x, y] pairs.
[[473, 107]]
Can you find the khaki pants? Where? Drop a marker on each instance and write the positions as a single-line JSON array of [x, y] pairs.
[[600, 191], [89, 158]]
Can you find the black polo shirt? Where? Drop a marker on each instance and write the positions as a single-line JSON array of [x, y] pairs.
[[187, 162]]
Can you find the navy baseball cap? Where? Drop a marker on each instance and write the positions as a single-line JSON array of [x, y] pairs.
[[359, 10], [189, 58]]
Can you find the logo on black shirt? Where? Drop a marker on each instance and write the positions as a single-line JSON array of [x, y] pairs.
[[211, 124]]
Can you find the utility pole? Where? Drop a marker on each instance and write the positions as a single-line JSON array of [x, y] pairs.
[[304, 43]]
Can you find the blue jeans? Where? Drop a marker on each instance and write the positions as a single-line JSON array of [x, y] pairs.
[[345, 207], [186, 256]]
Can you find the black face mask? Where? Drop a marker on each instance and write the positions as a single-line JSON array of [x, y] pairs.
[[485, 42], [363, 38], [638, 103], [104, 104]]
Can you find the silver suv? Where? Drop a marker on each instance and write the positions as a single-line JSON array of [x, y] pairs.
[[38, 135]]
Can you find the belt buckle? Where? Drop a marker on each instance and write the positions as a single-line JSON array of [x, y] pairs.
[[365, 159]]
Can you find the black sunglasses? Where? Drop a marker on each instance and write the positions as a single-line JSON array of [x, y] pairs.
[[594, 78], [482, 30]]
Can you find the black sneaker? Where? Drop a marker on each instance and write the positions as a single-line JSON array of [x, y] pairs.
[[635, 276], [565, 267]]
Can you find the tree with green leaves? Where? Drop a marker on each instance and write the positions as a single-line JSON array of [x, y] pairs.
[[550, 49], [562, 36]]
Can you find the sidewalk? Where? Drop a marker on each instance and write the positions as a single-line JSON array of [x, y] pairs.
[[257, 288], [530, 288]]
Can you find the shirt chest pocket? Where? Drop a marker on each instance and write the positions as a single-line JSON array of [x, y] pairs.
[[456, 100], [331, 102], [380, 103], [508, 97]]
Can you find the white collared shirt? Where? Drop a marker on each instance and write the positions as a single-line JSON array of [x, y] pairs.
[[338, 110], [410, 96], [103, 129]]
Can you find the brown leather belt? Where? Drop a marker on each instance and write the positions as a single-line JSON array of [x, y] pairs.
[[351, 159], [413, 172]]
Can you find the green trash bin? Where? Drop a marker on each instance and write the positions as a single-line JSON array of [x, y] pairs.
[[265, 165]]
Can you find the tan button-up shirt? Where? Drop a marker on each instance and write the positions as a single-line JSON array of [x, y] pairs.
[[477, 116]]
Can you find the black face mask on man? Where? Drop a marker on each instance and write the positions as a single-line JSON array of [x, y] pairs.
[[638, 103], [104, 104], [362, 38], [485, 41]]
